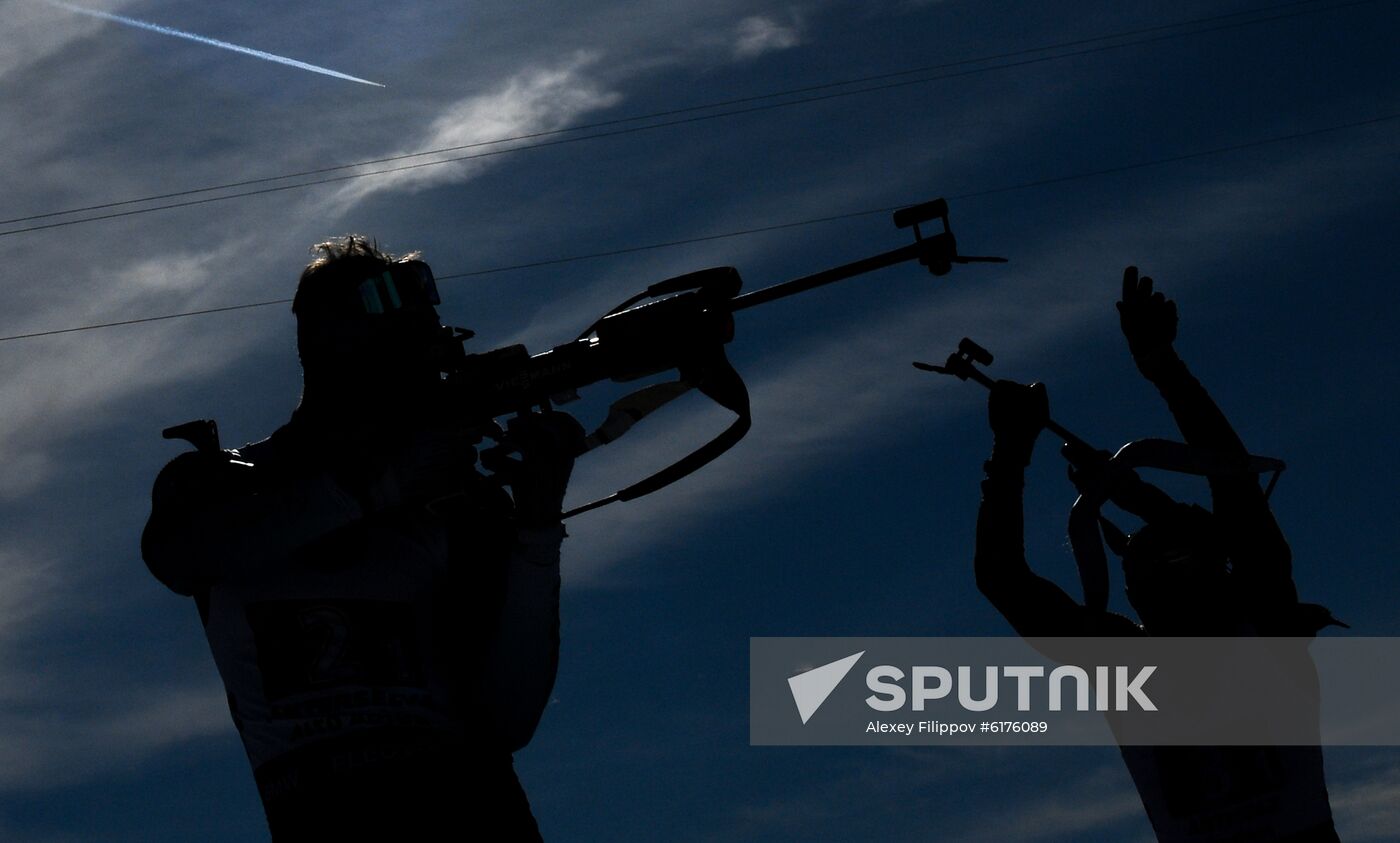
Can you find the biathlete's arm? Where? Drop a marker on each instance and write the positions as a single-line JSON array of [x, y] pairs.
[[524, 657], [1258, 549], [1035, 606]]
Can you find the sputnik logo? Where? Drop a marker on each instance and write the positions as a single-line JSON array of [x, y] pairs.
[[811, 688]]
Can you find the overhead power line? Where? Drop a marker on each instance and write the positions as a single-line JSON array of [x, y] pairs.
[[748, 109], [1186, 156], [656, 114]]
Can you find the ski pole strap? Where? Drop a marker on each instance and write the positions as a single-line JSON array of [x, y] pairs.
[[717, 379]]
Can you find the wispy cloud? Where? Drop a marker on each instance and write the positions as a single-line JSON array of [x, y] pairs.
[[32, 36], [47, 746], [53, 389], [27, 583], [212, 42], [1368, 809], [1067, 810], [759, 34], [902, 789], [537, 99]]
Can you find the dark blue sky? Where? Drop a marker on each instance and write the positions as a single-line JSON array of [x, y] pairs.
[[849, 508]]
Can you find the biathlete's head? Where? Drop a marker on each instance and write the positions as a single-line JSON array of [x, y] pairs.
[[366, 319], [1177, 574]]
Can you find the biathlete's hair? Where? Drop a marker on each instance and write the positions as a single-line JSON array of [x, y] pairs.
[[341, 262]]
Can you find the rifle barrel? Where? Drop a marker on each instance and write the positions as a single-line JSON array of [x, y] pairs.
[[1069, 438], [826, 276]]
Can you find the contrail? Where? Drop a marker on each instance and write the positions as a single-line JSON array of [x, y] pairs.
[[213, 42]]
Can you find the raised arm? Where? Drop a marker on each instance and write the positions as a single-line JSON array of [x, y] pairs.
[[1258, 550], [1149, 321], [1034, 606]]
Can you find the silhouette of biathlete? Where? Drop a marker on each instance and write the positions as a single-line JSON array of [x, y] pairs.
[[1188, 572], [384, 619]]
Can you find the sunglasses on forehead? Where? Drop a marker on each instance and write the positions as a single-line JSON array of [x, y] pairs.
[[405, 285]]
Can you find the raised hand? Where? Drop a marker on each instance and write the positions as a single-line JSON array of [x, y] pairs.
[[1148, 319], [1017, 413]]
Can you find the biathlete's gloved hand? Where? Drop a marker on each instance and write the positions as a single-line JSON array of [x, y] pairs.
[[1017, 414], [1149, 322], [548, 444]]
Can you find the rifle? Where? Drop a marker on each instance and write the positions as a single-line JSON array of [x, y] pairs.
[[681, 323]]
